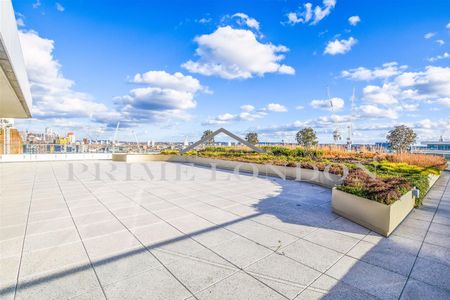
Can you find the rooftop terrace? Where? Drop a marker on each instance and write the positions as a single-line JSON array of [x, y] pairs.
[[79, 230]]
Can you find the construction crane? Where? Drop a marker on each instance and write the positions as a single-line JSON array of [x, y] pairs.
[[336, 133], [350, 125], [114, 140]]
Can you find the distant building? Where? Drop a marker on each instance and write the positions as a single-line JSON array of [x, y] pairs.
[[10, 139]]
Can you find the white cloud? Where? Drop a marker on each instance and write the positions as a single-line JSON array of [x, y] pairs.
[[299, 107], [310, 15], [59, 7], [176, 81], [275, 107], [245, 19], [444, 55], [247, 108], [167, 96], [37, 4], [340, 46], [387, 70], [334, 104], [444, 101], [248, 113], [53, 94], [429, 35], [229, 118], [385, 94], [354, 20], [373, 111], [431, 85], [236, 53], [448, 26], [204, 20], [20, 22], [440, 42]]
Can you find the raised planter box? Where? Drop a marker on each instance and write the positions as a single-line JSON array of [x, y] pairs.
[[321, 178], [376, 216]]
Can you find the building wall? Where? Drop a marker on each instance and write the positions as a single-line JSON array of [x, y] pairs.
[[15, 144]]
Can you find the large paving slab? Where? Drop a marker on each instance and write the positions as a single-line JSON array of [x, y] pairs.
[[111, 230]]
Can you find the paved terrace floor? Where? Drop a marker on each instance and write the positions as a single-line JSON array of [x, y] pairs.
[[233, 237]]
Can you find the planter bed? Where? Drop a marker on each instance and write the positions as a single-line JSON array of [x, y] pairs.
[[371, 214], [321, 178]]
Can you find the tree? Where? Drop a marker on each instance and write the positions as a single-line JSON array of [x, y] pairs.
[[401, 138], [205, 134], [252, 137], [307, 137]]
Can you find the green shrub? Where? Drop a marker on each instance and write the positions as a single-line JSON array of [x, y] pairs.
[[170, 152]]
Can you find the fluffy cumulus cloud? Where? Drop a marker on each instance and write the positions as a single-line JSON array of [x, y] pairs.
[[59, 7], [354, 20], [310, 15], [164, 96], [333, 104], [444, 55], [402, 90], [236, 53], [429, 35], [247, 107], [385, 71], [340, 46], [374, 111], [53, 94], [244, 19], [276, 107], [248, 113]]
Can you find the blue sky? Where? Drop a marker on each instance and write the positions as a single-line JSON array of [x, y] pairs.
[[169, 69]]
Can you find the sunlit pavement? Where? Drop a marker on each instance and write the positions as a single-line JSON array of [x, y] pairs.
[[171, 231]]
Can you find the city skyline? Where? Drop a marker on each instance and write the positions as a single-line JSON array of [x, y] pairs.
[[170, 70]]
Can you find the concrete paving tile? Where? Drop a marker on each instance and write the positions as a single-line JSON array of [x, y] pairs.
[[49, 215], [140, 220], [327, 287], [91, 295], [93, 218], [239, 286], [381, 255], [153, 284], [191, 224], [241, 252], [85, 210], [9, 268], [50, 225], [419, 290], [117, 268], [100, 228], [11, 232], [281, 267], [261, 234], [435, 253], [439, 239], [371, 279], [49, 259], [346, 227], [111, 244], [56, 285], [288, 289], [156, 234], [50, 239], [432, 272], [215, 237], [13, 220], [11, 247], [198, 275], [315, 256], [332, 240]]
